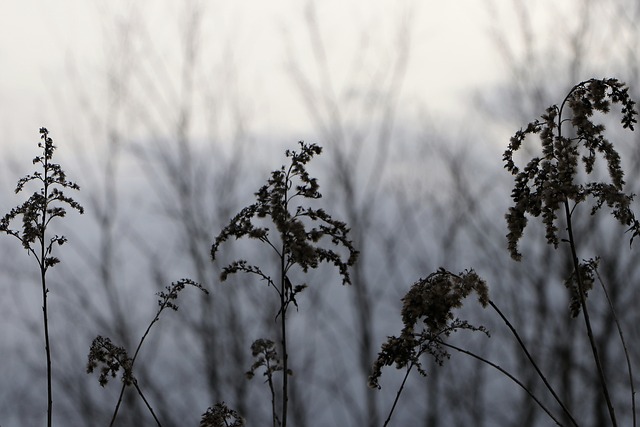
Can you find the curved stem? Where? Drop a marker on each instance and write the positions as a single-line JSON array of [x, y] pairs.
[[505, 372], [624, 346], [585, 315], [533, 363]]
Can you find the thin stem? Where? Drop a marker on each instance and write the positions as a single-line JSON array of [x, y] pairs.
[[284, 296], [533, 363], [585, 312], [135, 355], [47, 347], [423, 348], [585, 315], [511, 377], [115, 411], [395, 401], [624, 346], [135, 383], [274, 415], [45, 291], [283, 329]]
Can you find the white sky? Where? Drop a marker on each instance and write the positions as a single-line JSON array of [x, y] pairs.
[[450, 51]]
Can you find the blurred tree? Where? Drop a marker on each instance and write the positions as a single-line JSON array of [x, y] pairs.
[[156, 191]]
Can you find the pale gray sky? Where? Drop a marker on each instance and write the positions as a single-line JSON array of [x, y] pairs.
[[450, 54]]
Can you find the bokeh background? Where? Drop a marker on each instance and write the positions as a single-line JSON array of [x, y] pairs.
[[170, 114]]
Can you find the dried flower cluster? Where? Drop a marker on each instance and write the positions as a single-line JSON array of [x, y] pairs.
[[303, 238], [549, 182], [104, 352], [430, 302], [37, 213], [42, 206], [167, 299], [112, 358], [266, 355], [298, 244], [556, 181], [221, 416], [587, 279]]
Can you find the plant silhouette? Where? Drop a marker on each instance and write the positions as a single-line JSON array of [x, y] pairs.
[[547, 184], [296, 241], [37, 212], [112, 358]]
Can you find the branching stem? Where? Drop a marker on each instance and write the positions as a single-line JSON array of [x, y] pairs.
[[124, 385], [43, 271]]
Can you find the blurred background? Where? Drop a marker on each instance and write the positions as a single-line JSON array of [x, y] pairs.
[[171, 114]]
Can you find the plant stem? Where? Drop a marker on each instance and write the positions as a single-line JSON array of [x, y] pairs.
[[511, 377], [133, 361], [284, 297], [45, 291], [144, 399], [395, 401], [585, 315], [283, 331], [274, 415], [533, 363], [624, 346], [47, 347]]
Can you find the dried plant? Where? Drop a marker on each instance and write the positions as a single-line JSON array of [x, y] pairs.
[[266, 355], [221, 416], [111, 358], [37, 212], [429, 319], [552, 182], [296, 240], [546, 185]]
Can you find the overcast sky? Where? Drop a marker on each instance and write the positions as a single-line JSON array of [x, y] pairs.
[[450, 49]]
